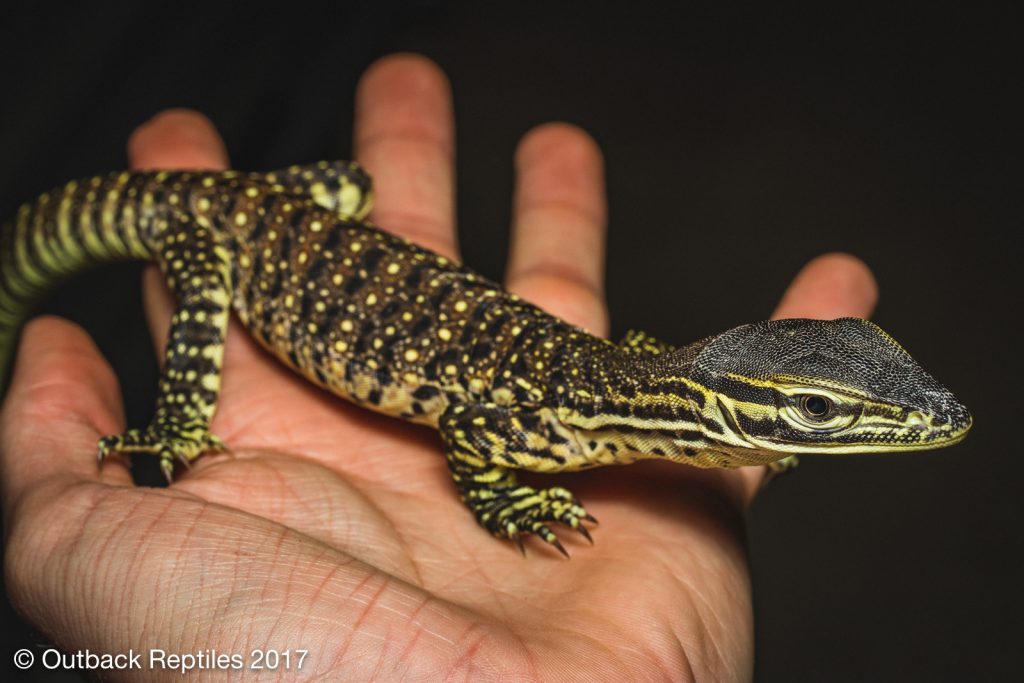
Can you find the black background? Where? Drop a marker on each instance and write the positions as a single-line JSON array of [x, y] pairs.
[[738, 146]]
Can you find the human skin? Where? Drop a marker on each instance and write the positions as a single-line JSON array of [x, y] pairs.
[[338, 531]]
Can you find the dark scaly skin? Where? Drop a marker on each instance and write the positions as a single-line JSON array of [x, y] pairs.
[[401, 330]]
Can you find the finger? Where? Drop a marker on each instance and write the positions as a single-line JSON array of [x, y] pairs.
[[63, 397], [831, 286], [176, 138], [405, 137], [558, 230]]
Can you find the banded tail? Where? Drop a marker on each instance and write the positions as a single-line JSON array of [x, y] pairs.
[[66, 231], [120, 216]]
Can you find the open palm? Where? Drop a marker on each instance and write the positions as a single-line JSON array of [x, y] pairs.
[[337, 531]]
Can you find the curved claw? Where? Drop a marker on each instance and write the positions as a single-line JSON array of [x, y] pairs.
[[217, 444], [558, 544], [586, 534], [590, 518], [519, 542], [163, 441], [167, 467], [101, 453], [106, 446]]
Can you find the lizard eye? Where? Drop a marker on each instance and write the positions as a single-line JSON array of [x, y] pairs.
[[817, 410], [816, 407]]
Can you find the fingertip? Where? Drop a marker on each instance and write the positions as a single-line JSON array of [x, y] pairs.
[[849, 273], [832, 285], [407, 72], [566, 142], [406, 97], [177, 138]]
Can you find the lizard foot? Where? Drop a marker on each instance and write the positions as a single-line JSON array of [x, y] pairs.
[[524, 510], [169, 444], [780, 467]]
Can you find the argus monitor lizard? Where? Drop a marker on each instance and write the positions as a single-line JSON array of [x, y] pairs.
[[404, 331]]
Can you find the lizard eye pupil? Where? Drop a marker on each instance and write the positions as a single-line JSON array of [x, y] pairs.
[[815, 406]]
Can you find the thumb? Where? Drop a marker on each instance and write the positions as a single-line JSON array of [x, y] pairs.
[[63, 397]]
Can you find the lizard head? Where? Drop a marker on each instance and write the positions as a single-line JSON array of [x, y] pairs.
[[832, 386]]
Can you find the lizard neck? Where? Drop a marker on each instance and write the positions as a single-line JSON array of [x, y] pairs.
[[652, 406], [636, 391]]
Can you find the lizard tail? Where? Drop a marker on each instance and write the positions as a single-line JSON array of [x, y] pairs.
[[63, 232]]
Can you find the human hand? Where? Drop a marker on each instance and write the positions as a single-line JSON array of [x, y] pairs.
[[338, 531]]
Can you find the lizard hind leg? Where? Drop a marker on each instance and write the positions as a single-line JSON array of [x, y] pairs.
[[341, 186], [482, 444], [639, 342], [190, 380]]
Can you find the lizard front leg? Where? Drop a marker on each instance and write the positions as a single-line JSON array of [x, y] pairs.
[[782, 466], [199, 273], [483, 442]]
